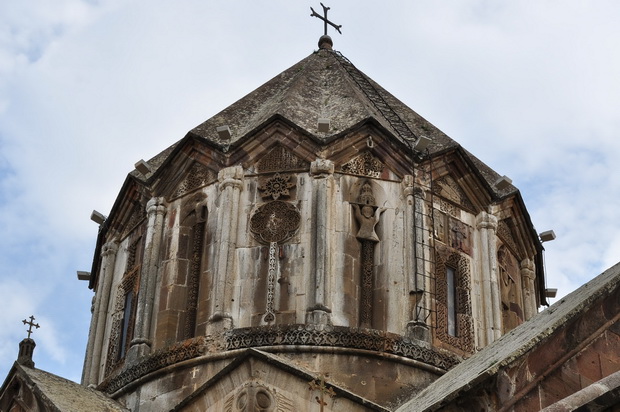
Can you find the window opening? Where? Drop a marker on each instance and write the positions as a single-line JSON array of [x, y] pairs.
[[451, 299]]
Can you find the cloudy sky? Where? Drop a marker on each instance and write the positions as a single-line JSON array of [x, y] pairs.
[[87, 88]]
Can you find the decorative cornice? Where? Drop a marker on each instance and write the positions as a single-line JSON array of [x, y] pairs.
[[287, 335]]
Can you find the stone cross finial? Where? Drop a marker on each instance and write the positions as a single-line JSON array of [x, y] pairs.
[[31, 323], [324, 18]]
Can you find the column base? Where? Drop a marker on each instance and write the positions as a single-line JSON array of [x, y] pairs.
[[219, 322], [419, 331], [319, 315]]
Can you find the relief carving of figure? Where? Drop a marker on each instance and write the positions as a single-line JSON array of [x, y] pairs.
[[367, 217]]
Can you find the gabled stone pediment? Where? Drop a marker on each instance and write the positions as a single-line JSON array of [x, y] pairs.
[[258, 380]]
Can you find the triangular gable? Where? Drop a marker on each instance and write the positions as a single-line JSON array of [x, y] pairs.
[[274, 383]]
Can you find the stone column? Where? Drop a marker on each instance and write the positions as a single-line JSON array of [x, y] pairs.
[[414, 259], [409, 235], [486, 224], [231, 184], [322, 172], [93, 362], [528, 274], [141, 343]]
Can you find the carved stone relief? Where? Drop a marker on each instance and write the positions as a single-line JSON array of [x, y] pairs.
[[452, 232], [510, 281], [274, 222], [275, 186], [505, 234], [255, 397], [449, 189], [280, 159], [367, 217], [197, 176], [460, 236], [364, 164]]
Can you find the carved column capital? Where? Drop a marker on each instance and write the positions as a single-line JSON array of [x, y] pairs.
[[486, 221], [408, 188], [231, 177], [527, 269], [109, 249], [321, 167], [157, 205]]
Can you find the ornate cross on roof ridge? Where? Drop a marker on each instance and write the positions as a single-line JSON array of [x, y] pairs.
[[324, 18], [31, 323]]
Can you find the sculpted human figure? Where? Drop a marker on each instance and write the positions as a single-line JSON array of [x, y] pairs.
[[368, 218]]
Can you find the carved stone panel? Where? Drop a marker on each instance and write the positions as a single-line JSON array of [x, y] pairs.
[[275, 221], [276, 186], [449, 189], [504, 232], [510, 283], [280, 159], [256, 397], [364, 164], [197, 176], [460, 236]]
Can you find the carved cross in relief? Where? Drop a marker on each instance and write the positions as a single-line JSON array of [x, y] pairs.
[[323, 389], [31, 323]]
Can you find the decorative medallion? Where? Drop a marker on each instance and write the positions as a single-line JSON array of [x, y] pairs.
[[275, 186], [275, 221]]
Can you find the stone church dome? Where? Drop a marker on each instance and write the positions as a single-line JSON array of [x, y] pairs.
[[317, 235]]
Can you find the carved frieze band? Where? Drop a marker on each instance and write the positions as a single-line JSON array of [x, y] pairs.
[[336, 336]]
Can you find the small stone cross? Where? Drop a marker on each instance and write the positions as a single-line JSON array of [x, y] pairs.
[[31, 323], [324, 389], [324, 18]]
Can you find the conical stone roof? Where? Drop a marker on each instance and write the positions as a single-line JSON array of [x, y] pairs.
[[323, 85]]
